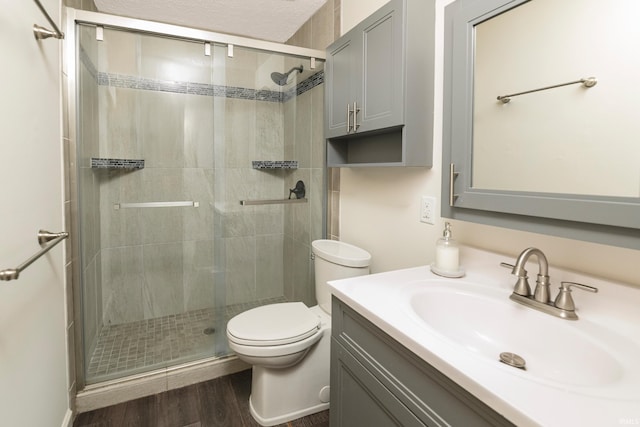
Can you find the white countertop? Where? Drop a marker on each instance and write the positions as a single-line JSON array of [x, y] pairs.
[[522, 400]]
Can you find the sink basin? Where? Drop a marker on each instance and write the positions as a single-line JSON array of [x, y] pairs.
[[483, 321]]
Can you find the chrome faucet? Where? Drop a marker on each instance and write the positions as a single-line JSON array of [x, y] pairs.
[[563, 306], [541, 292]]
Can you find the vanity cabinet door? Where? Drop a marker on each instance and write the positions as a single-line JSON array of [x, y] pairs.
[[362, 400], [369, 367]]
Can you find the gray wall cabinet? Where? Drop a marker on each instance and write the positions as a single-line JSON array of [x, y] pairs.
[[379, 89], [375, 381]]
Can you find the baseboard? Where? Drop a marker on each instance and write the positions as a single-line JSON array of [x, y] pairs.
[[117, 391], [68, 419]]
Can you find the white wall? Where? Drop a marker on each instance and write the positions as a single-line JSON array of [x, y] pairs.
[[354, 11], [380, 206], [33, 364]]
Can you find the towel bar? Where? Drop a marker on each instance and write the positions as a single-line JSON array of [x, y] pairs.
[[271, 202], [44, 237]]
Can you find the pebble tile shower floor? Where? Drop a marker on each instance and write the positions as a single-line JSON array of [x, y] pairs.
[[132, 347]]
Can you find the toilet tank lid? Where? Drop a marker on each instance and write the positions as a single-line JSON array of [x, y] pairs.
[[341, 253]]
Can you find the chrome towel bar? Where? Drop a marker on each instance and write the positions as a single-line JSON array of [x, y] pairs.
[[588, 82], [271, 202], [44, 237], [41, 33]]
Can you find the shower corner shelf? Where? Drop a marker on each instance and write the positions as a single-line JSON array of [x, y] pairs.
[[100, 163], [275, 164]]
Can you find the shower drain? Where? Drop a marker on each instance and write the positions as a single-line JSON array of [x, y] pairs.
[[209, 331], [512, 359]]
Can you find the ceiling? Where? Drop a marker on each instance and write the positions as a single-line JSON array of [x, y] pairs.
[[273, 20]]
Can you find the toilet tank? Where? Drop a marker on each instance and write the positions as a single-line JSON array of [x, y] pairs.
[[335, 260]]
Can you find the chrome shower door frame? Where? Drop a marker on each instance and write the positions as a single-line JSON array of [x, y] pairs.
[[72, 17]]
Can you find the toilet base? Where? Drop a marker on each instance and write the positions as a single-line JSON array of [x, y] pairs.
[[281, 395], [285, 417]]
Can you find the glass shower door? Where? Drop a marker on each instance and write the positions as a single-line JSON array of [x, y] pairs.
[[146, 188], [171, 136], [268, 136]]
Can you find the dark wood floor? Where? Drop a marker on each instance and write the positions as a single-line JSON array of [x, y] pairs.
[[220, 402]]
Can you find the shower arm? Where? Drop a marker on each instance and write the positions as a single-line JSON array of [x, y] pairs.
[[300, 69]]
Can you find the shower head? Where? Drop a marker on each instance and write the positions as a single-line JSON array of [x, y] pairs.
[[281, 79]]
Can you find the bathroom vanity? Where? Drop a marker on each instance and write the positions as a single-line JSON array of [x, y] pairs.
[[376, 381], [412, 348]]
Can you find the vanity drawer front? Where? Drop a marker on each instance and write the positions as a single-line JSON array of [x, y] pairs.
[[428, 393]]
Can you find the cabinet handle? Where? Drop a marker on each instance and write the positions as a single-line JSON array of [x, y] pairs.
[[348, 118], [355, 116], [452, 176]]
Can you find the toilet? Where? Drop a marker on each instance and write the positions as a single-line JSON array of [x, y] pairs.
[[288, 343]]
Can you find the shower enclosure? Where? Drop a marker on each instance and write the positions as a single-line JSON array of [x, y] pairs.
[[172, 133]]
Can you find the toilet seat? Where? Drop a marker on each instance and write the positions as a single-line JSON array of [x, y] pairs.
[[273, 325]]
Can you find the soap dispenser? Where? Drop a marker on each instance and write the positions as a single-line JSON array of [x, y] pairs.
[[447, 255]]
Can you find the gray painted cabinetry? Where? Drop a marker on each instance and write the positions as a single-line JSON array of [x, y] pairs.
[[379, 89], [375, 381]]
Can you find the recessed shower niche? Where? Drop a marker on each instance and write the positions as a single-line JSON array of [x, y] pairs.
[[166, 139]]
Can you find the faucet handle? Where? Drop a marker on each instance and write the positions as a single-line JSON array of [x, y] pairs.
[[520, 272], [564, 300], [522, 285]]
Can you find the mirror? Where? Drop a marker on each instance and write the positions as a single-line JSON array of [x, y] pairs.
[[564, 160], [570, 132]]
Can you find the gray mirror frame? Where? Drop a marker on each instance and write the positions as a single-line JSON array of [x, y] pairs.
[[608, 220]]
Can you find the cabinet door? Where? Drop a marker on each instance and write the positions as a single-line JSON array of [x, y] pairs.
[[381, 83], [358, 399], [367, 364], [340, 93]]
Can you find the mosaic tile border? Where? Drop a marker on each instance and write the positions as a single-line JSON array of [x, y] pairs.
[[275, 164], [99, 163], [192, 88], [309, 83]]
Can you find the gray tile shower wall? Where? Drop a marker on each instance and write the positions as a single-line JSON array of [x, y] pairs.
[[318, 33]]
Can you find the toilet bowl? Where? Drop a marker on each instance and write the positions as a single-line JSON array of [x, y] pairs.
[[288, 343], [267, 336]]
